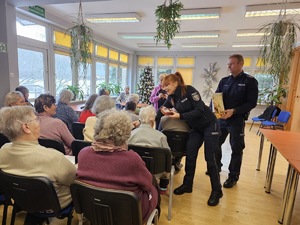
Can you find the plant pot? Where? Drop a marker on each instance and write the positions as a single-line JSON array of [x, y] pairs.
[[280, 28]]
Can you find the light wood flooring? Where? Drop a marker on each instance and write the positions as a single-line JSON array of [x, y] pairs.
[[245, 204]]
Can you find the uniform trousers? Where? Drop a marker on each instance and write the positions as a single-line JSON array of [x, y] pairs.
[[210, 136], [235, 128]]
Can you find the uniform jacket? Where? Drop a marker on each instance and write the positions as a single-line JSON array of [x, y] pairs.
[[191, 108], [239, 93]]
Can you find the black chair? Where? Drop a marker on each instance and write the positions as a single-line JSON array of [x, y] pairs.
[[107, 206], [77, 129], [48, 143], [3, 140], [5, 202], [77, 145], [157, 160], [177, 141], [35, 195]]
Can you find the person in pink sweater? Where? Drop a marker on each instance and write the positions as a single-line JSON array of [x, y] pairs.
[[52, 128], [108, 163]]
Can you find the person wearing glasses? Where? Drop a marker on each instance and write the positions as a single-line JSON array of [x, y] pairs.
[[52, 128], [24, 156]]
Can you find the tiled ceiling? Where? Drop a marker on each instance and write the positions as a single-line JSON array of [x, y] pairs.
[[231, 19]]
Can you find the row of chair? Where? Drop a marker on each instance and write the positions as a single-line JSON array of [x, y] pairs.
[[37, 196]]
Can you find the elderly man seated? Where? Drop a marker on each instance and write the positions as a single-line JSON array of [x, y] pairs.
[[146, 135], [24, 156]]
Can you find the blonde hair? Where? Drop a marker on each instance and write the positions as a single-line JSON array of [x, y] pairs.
[[147, 114], [12, 97], [11, 119], [113, 125]]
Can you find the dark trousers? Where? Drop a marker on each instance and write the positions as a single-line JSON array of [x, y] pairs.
[[210, 137], [236, 130]]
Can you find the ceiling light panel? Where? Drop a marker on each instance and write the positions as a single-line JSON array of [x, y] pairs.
[[250, 33], [272, 9], [198, 14], [181, 35], [113, 18], [152, 45], [246, 45], [200, 45]]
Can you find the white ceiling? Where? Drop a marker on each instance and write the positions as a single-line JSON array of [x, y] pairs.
[[232, 18]]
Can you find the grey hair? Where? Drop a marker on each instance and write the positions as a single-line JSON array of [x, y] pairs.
[[147, 114], [133, 98], [11, 119], [65, 96], [113, 125], [103, 103], [12, 97]]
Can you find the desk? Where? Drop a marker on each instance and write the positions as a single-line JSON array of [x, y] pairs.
[[139, 105], [287, 143], [77, 107]]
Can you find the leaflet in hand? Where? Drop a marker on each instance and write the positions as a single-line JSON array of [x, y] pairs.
[[218, 105]]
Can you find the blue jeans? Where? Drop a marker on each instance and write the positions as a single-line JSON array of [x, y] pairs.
[[210, 136]]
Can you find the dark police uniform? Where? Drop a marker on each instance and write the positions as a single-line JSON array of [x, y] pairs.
[[205, 129], [239, 93]]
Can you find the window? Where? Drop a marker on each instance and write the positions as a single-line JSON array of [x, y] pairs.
[[32, 71], [123, 72], [63, 72], [29, 29], [100, 72], [113, 74], [62, 39], [265, 86]]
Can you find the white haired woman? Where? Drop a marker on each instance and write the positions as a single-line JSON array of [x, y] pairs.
[[24, 156], [14, 98], [101, 104], [108, 163], [63, 109]]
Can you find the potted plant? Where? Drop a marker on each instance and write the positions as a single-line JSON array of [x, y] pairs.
[[80, 50], [278, 43], [168, 21], [77, 92], [113, 89]]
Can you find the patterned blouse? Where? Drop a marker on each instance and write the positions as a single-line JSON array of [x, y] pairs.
[[66, 114]]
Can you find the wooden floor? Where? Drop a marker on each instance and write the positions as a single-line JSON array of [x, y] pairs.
[[245, 204]]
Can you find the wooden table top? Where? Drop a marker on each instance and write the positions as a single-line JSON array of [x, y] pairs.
[[77, 107], [295, 163], [286, 142]]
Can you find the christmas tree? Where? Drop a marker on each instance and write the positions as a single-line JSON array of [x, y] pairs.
[[145, 85]]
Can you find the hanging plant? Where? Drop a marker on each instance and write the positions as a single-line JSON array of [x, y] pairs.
[[278, 43], [81, 40], [168, 21]]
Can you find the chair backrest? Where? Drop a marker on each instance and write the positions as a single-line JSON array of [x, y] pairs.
[[31, 194], [177, 141], [105, 206], [157, 160], [77, 129], [77, 145], [3, 140], [49, 143], [283, 117], [268, 113]]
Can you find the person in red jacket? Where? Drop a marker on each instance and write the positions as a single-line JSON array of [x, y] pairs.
[[86, 112]]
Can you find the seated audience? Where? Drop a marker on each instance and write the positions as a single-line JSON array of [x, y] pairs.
[[14, 98], [24, 90], [101, 104], [108, 163], [123, 97], [52, 128], [24, 156], [130, 108], [103, 91], [86, 112], [64, 111], [146, 135]]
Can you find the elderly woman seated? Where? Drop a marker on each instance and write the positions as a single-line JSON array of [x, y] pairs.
[[24, 90], [64, 111], [25, 157], [86, 112], [108, 163], [14, 98], [101, 104], [52, 128], [146, 135], [130, 108]]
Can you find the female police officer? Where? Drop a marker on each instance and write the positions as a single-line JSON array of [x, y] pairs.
[[184, 102]]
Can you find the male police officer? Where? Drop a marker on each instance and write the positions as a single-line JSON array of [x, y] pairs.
[[240, 92]]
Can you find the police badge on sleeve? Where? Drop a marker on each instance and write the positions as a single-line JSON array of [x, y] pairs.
[[196, 96]]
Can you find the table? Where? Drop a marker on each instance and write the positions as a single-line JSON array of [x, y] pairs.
[[77, 107], [287, 143], [139, 105]]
